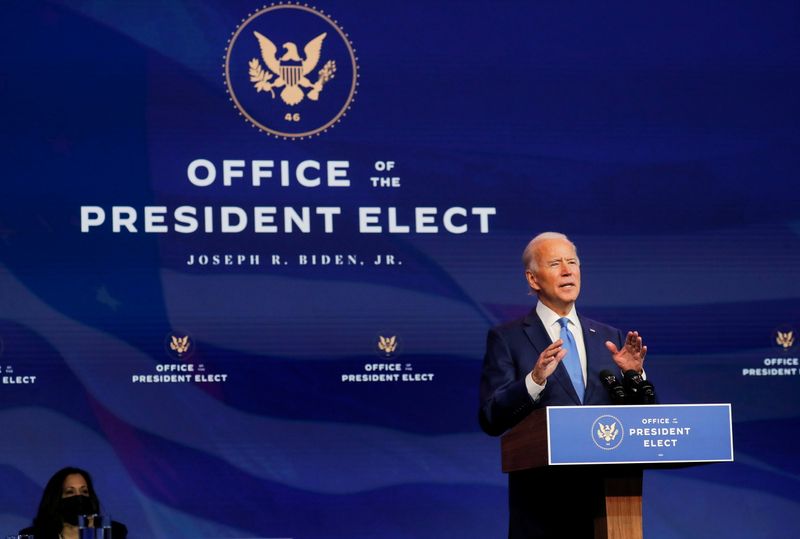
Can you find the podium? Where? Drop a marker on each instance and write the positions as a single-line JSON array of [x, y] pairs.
[[623, 440]]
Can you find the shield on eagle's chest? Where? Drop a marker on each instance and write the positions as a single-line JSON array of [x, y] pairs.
[[291, 74]]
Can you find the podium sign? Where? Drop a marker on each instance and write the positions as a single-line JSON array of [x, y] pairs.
[[633, 437], [639, 434]]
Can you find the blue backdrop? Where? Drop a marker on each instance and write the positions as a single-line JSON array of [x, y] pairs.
[[663, 138]]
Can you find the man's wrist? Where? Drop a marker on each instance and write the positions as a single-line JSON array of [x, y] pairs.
[[534, 389]]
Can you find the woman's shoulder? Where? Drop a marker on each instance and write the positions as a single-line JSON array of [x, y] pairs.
[[118, 530]]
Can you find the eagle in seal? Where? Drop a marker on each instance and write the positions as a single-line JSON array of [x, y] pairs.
[[291, 69]]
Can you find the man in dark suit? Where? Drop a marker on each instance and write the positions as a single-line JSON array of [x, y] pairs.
[[551, 357]]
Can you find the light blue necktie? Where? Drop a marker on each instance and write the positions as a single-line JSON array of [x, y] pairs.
[[572, 361]]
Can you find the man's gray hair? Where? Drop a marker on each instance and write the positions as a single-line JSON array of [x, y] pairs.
[[529, 254]]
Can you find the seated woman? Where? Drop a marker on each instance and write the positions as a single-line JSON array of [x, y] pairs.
[[68, 494]]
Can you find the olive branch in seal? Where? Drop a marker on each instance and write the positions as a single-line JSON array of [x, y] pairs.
[[259, 77]]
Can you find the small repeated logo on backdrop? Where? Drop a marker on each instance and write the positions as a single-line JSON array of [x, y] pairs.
[[180, 345], [782, 361], [785, 338], [290, 70], [607, 432], [387, 344]]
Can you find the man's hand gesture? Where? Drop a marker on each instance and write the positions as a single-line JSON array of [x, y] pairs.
[[548, 361], [631, 356]]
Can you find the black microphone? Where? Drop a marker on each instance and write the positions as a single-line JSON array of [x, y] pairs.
[[640, 390], [614, 388]]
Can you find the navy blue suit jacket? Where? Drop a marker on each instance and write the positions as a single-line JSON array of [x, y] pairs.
[[543, 503], [512, 350]]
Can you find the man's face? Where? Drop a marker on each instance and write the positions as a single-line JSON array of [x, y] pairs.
[[557, 278]]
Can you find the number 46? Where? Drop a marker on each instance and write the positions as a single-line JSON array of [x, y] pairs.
[[290, 117]]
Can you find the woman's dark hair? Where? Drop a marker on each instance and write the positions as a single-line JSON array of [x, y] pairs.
[[48, 519]]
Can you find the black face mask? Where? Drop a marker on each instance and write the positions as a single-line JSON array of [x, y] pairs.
[[73, 506]]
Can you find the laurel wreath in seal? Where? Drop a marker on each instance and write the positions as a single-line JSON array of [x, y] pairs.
[[259, 77]]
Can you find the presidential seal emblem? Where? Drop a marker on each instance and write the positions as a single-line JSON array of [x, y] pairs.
[[387, 345], [291, 71], [607, 432], [785, 338], [179, 345]]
